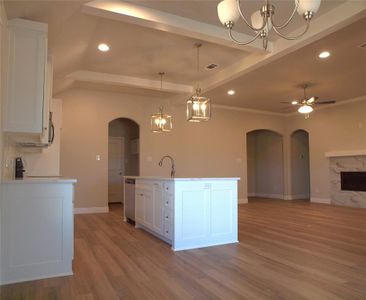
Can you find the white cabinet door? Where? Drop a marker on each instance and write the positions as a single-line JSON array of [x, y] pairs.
[[37, 231], [158, 208], [26, 69]]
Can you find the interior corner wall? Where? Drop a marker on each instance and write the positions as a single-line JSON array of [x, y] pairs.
[[209, 149], [300, 171], [337, 128], [265, 164]]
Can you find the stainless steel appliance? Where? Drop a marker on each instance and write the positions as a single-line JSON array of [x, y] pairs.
[[129, 201]]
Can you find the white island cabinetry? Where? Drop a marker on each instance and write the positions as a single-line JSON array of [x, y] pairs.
[[188, 213]]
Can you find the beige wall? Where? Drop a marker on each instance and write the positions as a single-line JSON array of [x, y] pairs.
[[212, 149], [335, 128], [265, 164], [300, 172]]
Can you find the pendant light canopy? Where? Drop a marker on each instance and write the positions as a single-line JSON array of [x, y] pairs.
[[161, 122], [198, 106]]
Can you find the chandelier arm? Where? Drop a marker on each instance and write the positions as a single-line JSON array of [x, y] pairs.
[[297, 2], [246, 21], [291, 38], [243, 43]]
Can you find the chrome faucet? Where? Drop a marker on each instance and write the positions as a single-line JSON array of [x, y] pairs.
[[172, 172]]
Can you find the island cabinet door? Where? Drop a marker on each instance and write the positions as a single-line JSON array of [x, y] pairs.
[[143, 204], [205, 214]]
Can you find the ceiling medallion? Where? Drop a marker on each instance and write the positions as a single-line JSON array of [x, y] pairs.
[[262, 21]]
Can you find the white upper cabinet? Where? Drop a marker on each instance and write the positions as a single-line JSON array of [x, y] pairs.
[[26, 97]]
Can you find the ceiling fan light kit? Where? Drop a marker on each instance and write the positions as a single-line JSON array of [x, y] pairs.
[[262, 20], [306, 104]]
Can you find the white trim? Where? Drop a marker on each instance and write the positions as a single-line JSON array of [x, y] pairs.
[[242, 200], [121, 80], [91, 210], [361, 152], [159, 20], [320, 200], [249, 110], [271, 196], [36, 278], [297, 196]]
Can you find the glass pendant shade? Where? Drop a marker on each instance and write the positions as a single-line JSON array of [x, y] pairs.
[[161, 122], [308, 6], [227, 11], [305, 109], [257, 21], [198, 108]]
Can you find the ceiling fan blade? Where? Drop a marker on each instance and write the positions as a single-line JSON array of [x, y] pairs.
[[312, 99], [326, 102]]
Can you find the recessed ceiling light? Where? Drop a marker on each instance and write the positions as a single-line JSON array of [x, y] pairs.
[[231, 92], [294, 102], [324, 54], [103, 47]]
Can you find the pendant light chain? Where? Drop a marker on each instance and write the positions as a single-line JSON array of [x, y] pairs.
[[198, 46]]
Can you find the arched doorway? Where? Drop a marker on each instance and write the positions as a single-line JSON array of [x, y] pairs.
[[265, 164], [123, 155], [300, 165]]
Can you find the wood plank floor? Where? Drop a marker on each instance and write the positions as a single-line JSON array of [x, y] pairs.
[[287, 250]]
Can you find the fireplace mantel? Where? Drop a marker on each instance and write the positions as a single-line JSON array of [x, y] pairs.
[[346, 153]]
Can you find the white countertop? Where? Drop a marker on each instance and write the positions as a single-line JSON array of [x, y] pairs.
[[41, 180], [183, 179]]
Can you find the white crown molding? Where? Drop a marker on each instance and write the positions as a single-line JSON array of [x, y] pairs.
[[249, 110], [114, 79], [159, 20]]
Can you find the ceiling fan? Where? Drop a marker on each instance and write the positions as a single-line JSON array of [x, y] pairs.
[[306, 104]]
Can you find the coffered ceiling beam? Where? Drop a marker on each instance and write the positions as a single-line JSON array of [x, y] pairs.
[[121, 80], [152, 18], [331, 21]]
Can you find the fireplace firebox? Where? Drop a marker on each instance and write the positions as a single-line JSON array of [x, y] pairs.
[[353, 181]]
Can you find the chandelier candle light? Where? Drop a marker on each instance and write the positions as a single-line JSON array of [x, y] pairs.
[[198, 107], [262, 21], [161, 122]]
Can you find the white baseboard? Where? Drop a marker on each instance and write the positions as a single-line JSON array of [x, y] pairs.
[[242, 200], [296, 197], [90, 210], [320, 200], [272, 196]]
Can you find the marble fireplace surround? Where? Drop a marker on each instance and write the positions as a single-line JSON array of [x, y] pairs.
[[343, 161]]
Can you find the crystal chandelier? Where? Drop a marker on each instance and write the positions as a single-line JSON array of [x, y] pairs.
[[161, 122], [198, 107], [262, 21]]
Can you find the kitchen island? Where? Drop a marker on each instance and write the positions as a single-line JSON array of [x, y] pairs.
[[188, 213]]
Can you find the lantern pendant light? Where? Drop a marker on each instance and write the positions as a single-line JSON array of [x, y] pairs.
[[161, 122], [198, 107]]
